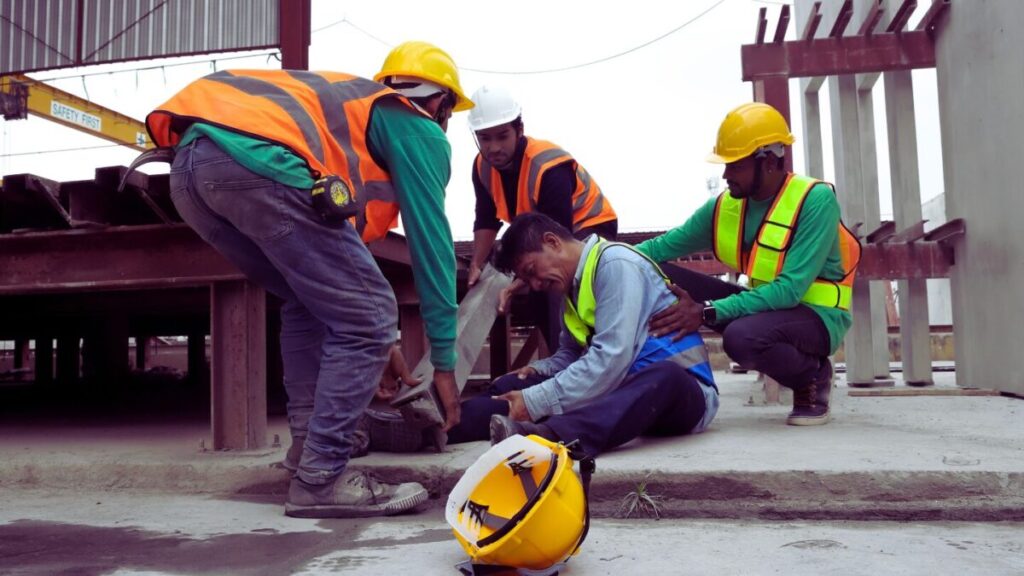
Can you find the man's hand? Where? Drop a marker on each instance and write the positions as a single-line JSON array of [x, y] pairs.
[[516, 406], [524, 372], [474, 274], [444, 381], [505, 297], [682, 317], [395, 370]]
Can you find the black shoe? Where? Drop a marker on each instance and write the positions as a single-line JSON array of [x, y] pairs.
[[389, 432], [810, 402], [502, 427]]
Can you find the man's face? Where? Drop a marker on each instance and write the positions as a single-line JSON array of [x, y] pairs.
[[739, 176], [498, 144], [546, 270]]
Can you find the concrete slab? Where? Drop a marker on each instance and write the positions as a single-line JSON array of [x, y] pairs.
[[954, 458], [126, 534]]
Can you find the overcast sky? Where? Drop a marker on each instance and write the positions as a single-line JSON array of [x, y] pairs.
[[641, 123]]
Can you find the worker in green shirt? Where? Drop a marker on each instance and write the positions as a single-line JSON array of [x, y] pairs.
[[251, 150], [784, 232]]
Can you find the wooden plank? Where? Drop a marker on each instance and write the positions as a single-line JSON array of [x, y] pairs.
[[909, 392]]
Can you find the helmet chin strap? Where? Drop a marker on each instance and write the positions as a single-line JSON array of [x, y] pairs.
[[756, 186]]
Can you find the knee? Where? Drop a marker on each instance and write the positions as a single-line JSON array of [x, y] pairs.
[[506, 383], [741, 344]]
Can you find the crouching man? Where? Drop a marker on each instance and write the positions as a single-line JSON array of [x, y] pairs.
[[609, 381]]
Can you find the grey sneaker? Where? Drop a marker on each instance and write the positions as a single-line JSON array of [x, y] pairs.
[[810, 403], [352, 495]]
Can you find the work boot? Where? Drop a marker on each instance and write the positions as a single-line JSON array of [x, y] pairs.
[[810, 402], [352, 494], [294, 454], [502, 427]]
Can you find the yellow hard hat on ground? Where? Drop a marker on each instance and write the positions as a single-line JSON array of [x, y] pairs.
[[748, 128], [427, 62], [520, 505]]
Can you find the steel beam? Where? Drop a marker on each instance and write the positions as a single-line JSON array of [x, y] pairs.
[[842, 19], [903, 13], [807, 35], [917, 260], [867, 28], [838, 56], [238, 380], [157, 256], [762, 25], [782, 25]]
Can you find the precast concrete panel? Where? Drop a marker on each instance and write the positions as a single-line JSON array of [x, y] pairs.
[[980, 83]]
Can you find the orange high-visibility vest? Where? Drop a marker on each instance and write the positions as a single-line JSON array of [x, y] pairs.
[[764, 261], [589, 206], [319, 116]]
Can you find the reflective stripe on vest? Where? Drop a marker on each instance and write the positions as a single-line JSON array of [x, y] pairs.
[[579, 318], [774, 237], [589, 206], [320, 116]]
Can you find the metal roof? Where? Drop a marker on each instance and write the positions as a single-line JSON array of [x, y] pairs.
[[47, 34]]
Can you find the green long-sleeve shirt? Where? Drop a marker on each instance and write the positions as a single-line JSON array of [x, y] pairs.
[[416, 153], [815, 252]]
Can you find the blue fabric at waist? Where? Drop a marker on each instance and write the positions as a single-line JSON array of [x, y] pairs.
[[663, 348]]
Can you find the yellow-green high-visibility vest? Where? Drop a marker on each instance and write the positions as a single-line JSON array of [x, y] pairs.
[[579, 318], [764, 261]]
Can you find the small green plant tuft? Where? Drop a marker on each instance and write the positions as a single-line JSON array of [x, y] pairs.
[[641, 502]]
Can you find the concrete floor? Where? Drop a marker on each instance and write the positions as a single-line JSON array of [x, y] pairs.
[[113, 533], [138, 495], [950, 458]]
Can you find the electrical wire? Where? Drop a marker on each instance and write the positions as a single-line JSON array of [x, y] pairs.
[[79, 149], [604, 59], [270, 53], [547, 70]]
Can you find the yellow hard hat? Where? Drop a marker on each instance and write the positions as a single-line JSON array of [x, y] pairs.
[[519, 505], [748, 128], [425, 61]]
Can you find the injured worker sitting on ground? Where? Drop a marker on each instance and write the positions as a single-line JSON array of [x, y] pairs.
[[609, 381]]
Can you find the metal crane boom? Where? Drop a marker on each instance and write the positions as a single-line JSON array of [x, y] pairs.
[[21, 96]]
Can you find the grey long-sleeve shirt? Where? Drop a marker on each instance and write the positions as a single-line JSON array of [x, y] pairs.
[[628, 290]]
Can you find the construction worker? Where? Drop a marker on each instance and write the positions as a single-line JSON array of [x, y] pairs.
[[609, 381], [252, 146], [784, 232], [514, 174]]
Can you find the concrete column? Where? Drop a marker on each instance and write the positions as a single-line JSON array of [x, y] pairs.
[[860, 369], [915, 344], [872, 219], [978, 56], [815, 158]]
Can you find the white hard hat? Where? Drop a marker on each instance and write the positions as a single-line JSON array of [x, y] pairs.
[[494, 107]]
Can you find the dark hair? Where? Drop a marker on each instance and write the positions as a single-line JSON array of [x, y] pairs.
[[525, 235]]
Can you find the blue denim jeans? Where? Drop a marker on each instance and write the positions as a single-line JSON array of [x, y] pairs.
[[662, 399], [339, 317]]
